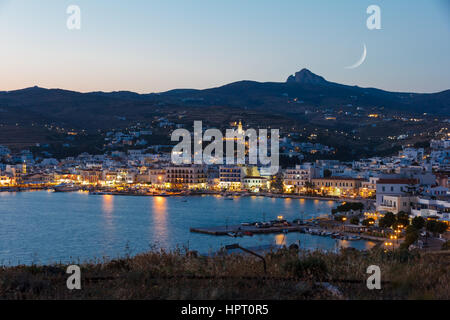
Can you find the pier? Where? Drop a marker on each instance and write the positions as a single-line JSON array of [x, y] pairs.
[[249, 230], [224, 230]]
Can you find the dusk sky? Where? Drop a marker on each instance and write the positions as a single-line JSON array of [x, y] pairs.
[[150, 46]]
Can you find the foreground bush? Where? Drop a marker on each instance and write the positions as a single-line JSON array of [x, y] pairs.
[[290, 275]]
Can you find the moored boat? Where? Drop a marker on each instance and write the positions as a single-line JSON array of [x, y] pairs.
[[66, 188]]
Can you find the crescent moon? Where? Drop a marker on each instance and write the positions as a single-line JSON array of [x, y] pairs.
[[360, 61]]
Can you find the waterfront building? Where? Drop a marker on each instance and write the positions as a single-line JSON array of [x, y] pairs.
[[368, 188], [157, 177], [230, 177], [337, 186], [296, 180], [212, 177], [255, 183], [90, 176], [186, 177], [34, 179], [6, 181]]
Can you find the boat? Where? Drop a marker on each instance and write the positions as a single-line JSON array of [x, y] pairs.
[[235, 234], [66, 188], [335, 235], [247, 224]]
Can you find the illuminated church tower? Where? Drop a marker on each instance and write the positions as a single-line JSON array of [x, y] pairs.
[[240, 130]]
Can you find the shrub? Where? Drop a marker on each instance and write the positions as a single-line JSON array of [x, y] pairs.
[[354, 220], [418, 222], [446, 245], [309, 266], [368, 222]]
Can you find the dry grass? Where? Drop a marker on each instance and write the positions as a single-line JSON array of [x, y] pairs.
[[290, 275]]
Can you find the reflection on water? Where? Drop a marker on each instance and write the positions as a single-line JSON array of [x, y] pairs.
[[108, 209], [108, 204], [108, 223], [280, 239], [287, 203], [159, 225]]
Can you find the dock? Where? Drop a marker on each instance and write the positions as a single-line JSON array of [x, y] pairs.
[[224, 230], [302, 228]]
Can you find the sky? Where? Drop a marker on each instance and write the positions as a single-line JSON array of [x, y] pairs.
[[153, 46]]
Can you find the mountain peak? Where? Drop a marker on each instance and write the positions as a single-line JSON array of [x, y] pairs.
[[305, 76]]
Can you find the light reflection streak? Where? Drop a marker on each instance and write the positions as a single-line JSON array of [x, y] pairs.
[[159, 210], [280, 239], [108, 209]]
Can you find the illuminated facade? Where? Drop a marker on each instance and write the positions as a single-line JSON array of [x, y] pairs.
[[337, 186], [297, 179], [157, 177], [255, 183], [186, 177], [230, 177]]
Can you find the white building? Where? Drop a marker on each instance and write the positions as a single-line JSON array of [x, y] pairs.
[[394, 195], [298, 177], [427, 207], [230, 177], [255, 184]]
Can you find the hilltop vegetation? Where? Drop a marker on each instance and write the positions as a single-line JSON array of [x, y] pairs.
[[290, 275]]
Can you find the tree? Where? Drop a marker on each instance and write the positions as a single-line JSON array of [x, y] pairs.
[[418, 222], [412, 235], [277, 183], [309, 186], [434, 226], [354, 220], [355, 206], [368, 222], [387, 221], [402, 218], [441, 227]]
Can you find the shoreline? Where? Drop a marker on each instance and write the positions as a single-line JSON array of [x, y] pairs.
[[189, 194]]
